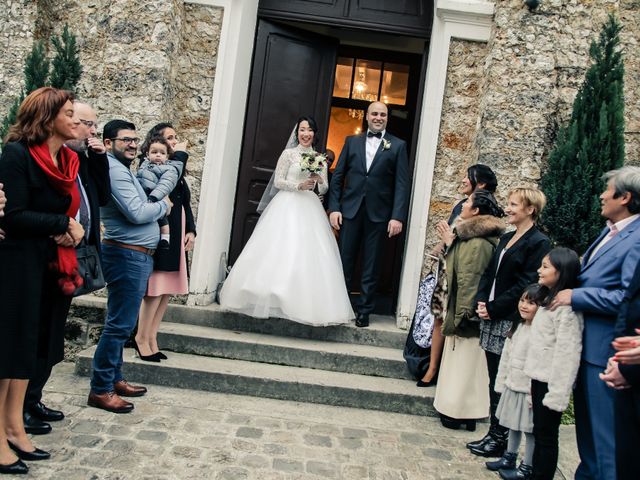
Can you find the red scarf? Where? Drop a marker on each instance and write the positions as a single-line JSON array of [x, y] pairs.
[[63, 181]]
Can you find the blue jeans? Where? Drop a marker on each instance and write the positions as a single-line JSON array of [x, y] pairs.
[[126, 273]]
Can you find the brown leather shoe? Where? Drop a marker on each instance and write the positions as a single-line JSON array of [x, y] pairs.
[[110, 402], [125, 389]]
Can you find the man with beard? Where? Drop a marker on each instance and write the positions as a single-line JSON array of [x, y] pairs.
[[130, 238], [94, 187]]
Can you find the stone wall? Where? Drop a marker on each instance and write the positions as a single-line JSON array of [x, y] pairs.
[[17, 25], [145, 61], [459, 126], [505, 100]]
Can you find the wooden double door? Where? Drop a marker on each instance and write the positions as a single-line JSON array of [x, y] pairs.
[[293, 74]]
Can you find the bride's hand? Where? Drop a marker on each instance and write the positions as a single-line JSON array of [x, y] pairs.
[[316, 178], [308, 184]]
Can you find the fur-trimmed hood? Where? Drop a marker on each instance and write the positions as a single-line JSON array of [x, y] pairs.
[[479, 226]]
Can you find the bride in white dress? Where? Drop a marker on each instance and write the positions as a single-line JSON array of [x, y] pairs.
[[290, 267]]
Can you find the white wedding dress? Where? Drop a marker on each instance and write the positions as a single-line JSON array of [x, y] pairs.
[[290, 267]]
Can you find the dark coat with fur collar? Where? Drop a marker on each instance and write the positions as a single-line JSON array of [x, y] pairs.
[[468, 257]]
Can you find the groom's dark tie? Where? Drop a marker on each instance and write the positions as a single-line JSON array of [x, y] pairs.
[[377, 134]]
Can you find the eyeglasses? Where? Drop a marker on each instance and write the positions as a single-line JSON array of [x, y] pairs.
[[89, 123], [127, 140]]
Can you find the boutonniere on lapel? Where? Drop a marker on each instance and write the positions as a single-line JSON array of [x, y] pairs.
[[386, 144]]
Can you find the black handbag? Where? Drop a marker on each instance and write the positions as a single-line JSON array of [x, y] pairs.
[[89, 269]]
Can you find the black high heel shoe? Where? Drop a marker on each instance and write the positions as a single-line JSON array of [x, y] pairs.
[[430, 383], [37, 454], [147, 358], [161, 355]]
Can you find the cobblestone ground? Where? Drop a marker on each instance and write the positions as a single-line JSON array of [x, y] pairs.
[[185, 434]]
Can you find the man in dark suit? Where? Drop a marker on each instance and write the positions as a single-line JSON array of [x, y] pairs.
[[607, 269], [368, 198], [95, 190], [623, 374]]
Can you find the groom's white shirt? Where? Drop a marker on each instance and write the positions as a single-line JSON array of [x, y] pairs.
[[373, 143]]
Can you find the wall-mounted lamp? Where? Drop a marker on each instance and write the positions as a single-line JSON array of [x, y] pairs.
[[532, 4]]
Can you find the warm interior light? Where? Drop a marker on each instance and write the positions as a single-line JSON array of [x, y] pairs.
[[360, 86]]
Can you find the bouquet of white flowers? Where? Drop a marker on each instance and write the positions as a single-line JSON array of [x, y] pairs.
[[313, 162]]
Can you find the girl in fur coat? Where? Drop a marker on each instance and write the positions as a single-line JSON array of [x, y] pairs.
[[514, 410], [553, 358]]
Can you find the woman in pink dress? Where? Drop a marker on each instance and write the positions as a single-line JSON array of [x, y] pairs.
[[170, 275]]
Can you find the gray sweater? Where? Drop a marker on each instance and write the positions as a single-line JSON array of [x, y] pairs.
[[159, 179]]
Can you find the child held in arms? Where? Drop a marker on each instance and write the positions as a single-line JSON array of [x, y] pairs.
[[159, 176]]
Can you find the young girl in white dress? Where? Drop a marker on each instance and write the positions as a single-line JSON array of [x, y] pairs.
[[514, 409], [290, 267]]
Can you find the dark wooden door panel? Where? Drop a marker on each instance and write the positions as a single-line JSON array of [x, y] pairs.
[[388, 7], [310, 7], [409, 17], [292, 75]]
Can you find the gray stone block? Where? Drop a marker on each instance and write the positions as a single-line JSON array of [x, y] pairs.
[[249, 432], [152, 435], [287, 465], [317, 440], [322, 469]]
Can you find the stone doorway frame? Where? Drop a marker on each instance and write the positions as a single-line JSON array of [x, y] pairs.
[[470, 20]]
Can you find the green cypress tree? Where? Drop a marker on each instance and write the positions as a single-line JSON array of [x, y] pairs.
[[66, 70], [36, 71], [36, 68], [590, 145]]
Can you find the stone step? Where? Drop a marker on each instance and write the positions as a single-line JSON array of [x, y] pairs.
[[296, 352], [381, 333], [274, 381]]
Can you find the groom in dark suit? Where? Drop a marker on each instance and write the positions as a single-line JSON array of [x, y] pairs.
[[368, 197]]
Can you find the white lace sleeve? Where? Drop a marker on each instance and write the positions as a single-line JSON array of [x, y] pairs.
[[324, 186], [282, 168]]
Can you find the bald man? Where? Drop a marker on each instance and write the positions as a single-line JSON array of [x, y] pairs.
[[95, 191], [368, 199]]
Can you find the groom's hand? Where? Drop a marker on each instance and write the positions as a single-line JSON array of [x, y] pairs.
[[394, 228], [335, 219]]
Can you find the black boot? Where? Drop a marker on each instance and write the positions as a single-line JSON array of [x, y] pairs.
[[494, 446], [479, 443], [523, 472], [506, 462]]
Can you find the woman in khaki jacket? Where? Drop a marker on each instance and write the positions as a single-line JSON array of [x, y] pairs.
[[462, 393]]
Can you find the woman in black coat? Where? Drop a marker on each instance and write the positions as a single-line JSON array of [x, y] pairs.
[[170, 275], [39, 267], [513, 266]]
